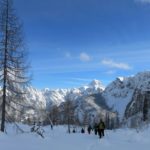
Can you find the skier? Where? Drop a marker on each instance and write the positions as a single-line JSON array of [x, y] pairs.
[[82, 130], [89, 129], [101, 129]]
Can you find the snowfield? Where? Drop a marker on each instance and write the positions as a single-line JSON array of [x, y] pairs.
[[59, 139]]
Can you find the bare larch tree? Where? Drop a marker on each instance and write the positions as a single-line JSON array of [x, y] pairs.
[[13, 75]]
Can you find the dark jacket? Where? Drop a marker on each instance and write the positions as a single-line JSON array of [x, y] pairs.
[[101, 125]]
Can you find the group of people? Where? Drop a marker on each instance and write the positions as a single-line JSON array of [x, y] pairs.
[[98, 129]]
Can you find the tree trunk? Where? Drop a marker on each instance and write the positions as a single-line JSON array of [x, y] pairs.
[[5, 73]]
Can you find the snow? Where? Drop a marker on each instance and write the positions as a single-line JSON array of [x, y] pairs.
[[95, 84], [121, 79], [59, 139], [120, 92]]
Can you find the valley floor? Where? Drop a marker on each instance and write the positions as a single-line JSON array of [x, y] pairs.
[[59, 139]]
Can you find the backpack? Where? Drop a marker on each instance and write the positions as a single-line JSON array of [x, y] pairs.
[[101, 125]]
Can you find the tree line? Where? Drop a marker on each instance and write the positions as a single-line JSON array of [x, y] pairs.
[[68, 114]]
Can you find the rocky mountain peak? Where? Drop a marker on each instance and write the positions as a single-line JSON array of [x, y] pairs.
[[96, 84]]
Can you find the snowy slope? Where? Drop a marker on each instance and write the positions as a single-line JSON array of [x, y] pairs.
[[59, 139], [35, 98], [54, 97], [121, 92], [94, 107], [118, 94]]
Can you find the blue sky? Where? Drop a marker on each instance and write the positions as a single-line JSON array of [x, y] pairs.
[[72, 42]]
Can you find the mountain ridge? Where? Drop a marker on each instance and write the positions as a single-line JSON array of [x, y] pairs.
[[120, 96]]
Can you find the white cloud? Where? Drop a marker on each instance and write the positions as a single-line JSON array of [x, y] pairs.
[[143, 1], [68, 55], [113, 64], [84, 57]]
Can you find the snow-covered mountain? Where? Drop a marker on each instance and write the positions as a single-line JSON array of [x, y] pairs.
[[35, 98], [126, 94], [119, 93], [46, 98], [56, 97]]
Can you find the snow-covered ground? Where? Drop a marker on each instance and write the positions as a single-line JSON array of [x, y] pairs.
[[59, 139]]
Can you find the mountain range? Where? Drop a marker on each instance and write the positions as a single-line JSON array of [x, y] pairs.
[[124, 96]]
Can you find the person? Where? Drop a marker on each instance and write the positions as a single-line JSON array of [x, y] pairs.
[[74, 131], [82, 130], [95, 128], [89, 129], [51, 126], [101, 129]]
